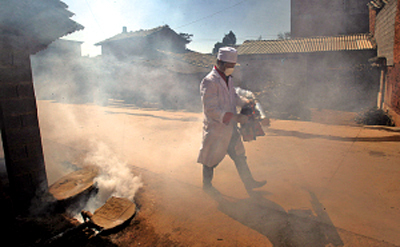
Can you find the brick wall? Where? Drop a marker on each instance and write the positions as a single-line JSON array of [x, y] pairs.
[[393, 81], [396, 48], [392, 95], [385, 31], [20, 129]]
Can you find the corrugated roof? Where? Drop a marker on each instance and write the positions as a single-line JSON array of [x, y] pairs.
[[310, 44]]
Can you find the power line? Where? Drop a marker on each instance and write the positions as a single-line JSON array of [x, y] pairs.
[[94, 17], [215, 13]]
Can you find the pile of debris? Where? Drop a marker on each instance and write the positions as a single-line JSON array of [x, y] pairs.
[[54, 225], [374, 116]]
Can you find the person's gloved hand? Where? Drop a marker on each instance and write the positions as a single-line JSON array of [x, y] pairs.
[[227, 117]]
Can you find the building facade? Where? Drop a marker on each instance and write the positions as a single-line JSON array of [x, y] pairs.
[[317, 72], [143, 43], [385, 27]]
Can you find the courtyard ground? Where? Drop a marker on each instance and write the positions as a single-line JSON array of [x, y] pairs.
[[328, 184]]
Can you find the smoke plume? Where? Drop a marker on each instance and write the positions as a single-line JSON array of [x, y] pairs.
[[115, 177]]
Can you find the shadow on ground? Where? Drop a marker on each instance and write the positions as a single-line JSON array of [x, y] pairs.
[[297, 227], [190, 119], [277, 132]]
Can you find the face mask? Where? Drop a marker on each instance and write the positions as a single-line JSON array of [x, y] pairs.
[[229, 71]]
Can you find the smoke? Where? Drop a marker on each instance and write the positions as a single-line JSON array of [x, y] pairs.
[[283, 83], [162, 81], [115, 177], [289, 86]]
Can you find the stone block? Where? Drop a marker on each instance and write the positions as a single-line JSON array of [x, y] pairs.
[[29, 120], [15, 137], [15, 107], [17, 153], [12, 122], [25, 90], [20, 167], [21, 121], [8, 91]]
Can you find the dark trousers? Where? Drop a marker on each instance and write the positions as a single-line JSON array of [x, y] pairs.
[[239, 160]]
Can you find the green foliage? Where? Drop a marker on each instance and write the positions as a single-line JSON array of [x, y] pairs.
[[216, 47], [228, 40], [186, 36], [285, 35]]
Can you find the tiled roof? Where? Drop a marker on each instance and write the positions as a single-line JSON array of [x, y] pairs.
[[196, 59], [189, 62], [309, 44], [378, 4], [33, 25], [139, 33]]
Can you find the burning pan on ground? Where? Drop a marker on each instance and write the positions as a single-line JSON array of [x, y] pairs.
[[113, 213], [74, 184]]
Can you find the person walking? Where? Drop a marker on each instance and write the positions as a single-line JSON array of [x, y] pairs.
[[220, 131]]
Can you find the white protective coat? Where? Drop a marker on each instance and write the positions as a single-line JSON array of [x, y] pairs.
[[217, 100]]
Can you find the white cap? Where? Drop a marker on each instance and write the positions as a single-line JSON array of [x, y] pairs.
[[227, 54]]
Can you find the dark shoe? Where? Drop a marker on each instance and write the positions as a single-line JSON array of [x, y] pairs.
[[211, 191], [208, 173], [255, 184]]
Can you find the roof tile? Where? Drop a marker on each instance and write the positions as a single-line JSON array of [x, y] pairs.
[[308, 44], [139, 33]]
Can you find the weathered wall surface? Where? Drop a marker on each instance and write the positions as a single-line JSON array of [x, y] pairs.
[[20, 129], [389, 16], [385, 31]]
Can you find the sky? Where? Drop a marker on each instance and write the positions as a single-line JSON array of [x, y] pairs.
[[207, 20]]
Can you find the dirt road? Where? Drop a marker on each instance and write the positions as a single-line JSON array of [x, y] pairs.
[[328, 185]]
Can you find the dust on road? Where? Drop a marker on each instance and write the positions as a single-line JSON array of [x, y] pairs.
[[322, 186]]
